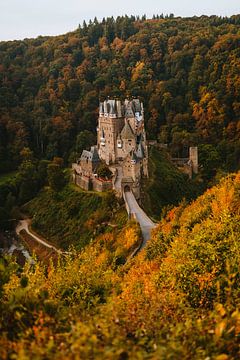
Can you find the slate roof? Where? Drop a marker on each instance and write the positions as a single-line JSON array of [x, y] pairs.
[[127, 132], [91, 155], [134, 156], [140, 151]]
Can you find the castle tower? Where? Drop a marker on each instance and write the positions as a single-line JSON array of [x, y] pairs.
[[193, 157], [110, 123], [121, 131]]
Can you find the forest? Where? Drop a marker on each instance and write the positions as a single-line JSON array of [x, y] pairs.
[[187, 71], [178, 298]]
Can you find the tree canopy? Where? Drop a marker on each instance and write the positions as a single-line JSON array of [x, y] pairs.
[[187, 70]]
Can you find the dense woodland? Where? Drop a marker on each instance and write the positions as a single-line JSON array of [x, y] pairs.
[[187, 71], [178, 299]]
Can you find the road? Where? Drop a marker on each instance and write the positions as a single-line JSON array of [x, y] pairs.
[[144, 221], [24, 225]]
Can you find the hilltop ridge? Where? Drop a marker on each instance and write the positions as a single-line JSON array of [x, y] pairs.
[[185, 69]]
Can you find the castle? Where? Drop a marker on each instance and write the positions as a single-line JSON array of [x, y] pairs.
[[121, 145]]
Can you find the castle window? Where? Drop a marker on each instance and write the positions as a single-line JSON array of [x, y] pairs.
[[119, 144]]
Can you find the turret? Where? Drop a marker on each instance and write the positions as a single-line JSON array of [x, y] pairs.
[[140, 151], [112, 106], [101, 109], [193, 156], [119, 108], [105, 108]]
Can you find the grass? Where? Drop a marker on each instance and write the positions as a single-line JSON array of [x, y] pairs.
[[4, 178]]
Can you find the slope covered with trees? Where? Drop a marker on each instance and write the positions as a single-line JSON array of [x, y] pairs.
[[178, 299], [166, 185], [187, 70]]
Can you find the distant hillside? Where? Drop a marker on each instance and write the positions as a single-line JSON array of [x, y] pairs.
[[187, 70], [178, 299]]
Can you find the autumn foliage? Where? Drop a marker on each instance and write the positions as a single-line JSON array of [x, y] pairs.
[[185, 70], [177, 299]]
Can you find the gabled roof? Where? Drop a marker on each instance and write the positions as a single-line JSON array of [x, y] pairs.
[[127, 132], [91, 155], [94, 152], [140, 151], [134, 156]]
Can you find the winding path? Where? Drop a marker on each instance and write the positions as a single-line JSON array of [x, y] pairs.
[[137, 212], [24, 225]]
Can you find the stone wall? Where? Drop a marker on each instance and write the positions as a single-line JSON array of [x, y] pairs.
[[111, 128], [83, 182], [102, 185], [193, 156]]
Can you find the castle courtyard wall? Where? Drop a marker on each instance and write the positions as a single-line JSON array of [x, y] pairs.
[[83, 182], [102, 185]]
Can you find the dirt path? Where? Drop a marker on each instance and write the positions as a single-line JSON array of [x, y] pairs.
[[24, 225]]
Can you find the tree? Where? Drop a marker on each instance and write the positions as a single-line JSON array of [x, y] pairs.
[[56, 177], [103, 171], [209, 160], [28, 179], [85, 139]]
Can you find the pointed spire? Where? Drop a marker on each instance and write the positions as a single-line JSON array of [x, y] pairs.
[[127, 132], [140, 151], [112, 106], [105, 107], [119, 108], [101, 109]]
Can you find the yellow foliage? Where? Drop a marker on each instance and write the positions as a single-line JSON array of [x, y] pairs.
[[137, 70]]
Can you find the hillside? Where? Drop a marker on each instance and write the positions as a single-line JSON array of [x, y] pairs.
[[166, 185], [187, 70], [73, 217], [178, 299]]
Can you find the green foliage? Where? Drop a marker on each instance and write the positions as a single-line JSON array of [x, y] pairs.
[[104, 172], [85, 140], [56, 178], [19, 187], [71, 217], [7, 177], [186, 70], [177, 299], [166, 185]]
